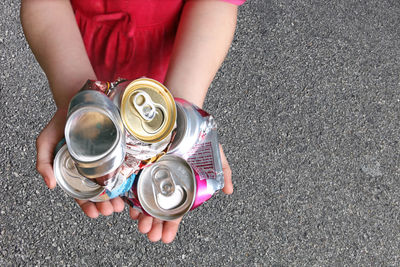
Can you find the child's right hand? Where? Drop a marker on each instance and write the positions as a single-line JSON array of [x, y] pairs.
[[45, 145]]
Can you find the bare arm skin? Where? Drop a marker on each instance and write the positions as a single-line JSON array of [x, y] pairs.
[[204, 36], [53, 35]]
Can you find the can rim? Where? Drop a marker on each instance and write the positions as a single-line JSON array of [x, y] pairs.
[[169, 125], [90, 159], [179, 211], [61, 181]]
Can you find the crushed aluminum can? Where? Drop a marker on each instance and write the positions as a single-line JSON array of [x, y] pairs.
[[148, 112], [196, 141], [165, 190], [70, 180], [80, 187], [95, 136]]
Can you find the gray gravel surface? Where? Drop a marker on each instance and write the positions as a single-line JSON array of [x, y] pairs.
[[307, 103]]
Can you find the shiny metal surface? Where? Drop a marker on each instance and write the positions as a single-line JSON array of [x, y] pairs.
[[92, 134], [95, 134], [117, 92], [166, 189], [205, 156], [144, 151], [134, 146], [148, 110], [188, 128], [196, 141], [69, 179]]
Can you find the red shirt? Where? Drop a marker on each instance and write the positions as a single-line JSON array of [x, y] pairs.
[[129, 39]]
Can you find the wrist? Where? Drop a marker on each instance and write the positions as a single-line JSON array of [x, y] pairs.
[[61, 112], [64, 90], [188, 93]]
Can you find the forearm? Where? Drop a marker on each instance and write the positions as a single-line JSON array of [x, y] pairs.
[[53, 35], [203, 39]]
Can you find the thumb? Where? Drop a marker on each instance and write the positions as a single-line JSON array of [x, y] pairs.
[[228, 187], [45, 145]]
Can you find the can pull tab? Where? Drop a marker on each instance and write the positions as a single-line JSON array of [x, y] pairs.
[[168, 194], [163, 181], [144, 105]]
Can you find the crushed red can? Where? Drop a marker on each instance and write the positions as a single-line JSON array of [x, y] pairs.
[[196, 140]]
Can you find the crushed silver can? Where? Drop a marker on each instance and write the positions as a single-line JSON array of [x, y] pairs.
[[70, 180], [147, 110], [196, 140], [95, 136], [165, 190], [190, 124], [80, 187]]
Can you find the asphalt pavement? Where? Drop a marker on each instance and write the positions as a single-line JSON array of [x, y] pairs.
[[307, 104]]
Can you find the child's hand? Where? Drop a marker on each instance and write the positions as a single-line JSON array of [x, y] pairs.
[[228, 187], [45, 145], [166, 230], [93, 209], [154, 228]]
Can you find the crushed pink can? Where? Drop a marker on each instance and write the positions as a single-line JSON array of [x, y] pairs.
[[188, 175], [196, 140]]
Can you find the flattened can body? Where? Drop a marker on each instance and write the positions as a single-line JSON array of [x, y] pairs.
[[196, 141], [70, 180], [80, 187], [95, 135]]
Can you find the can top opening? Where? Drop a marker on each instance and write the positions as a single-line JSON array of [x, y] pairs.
[[90, 134], [167, 189], [148, 110]]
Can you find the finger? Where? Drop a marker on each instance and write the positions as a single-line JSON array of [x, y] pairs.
[[44, 162], [228, 187], [155, 233], [170, 228], [118, 204], [145, 223], [105, 208], [89, 208], [134, 213]]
